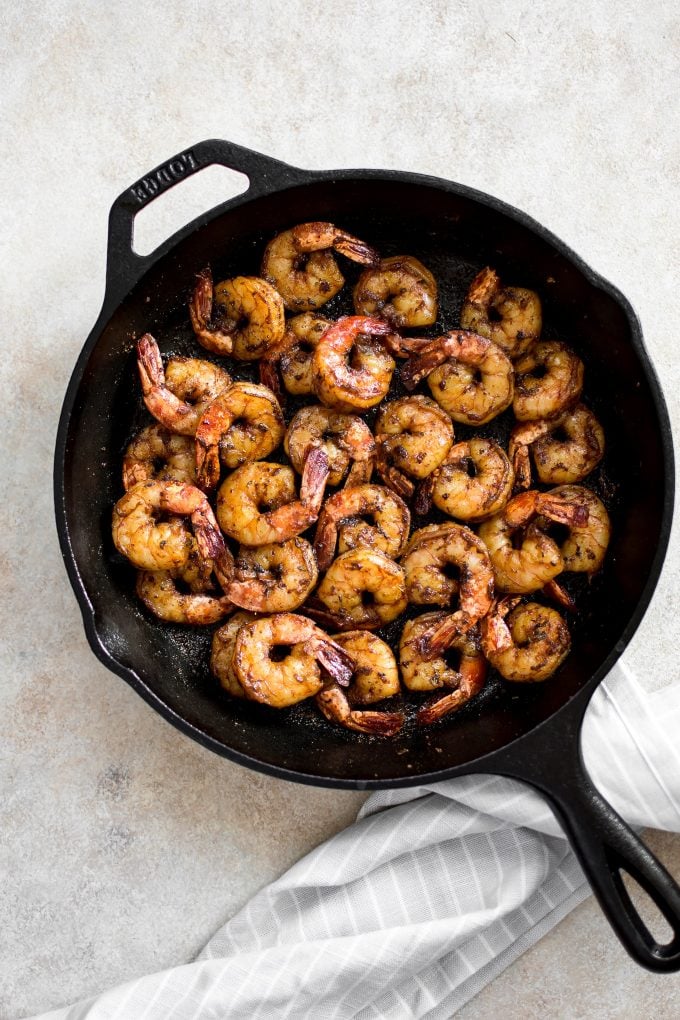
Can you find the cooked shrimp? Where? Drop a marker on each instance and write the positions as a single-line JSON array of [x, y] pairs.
[[342, 523], [153, 544], [257, 504], [375, 677], [363, 588], [273, 578], [293, 356], [299, 263], [414, 436], [584, 548], [280, 682], [160, 592], [178, 395], [248, 322], [510, 316], [420, 674], [443, 563], [399, 289], [468, 375], [351, 371], [525, 643], [156, 453], [345, 439], [474, 481], [244, 424], [524, 558], [565, 449], [222, 653], [549, 380]]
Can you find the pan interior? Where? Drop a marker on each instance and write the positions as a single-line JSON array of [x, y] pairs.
[[454, 236]]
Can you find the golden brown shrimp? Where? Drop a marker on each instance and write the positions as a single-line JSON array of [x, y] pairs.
[[293, 356], [524, 558], [178, 395], [525, 643], [565, 449], [510, 316], [399, 289], [414, 436], [420, 674], [161, 594], [474, 481], [375, 677], [342, 523], [300, 264], [222, 653], [249, 320], [363, 588], [273, 578], [280, 682], [468, 375], [151, 543], [585, 547], [158, 454], [345, 439], [257, 504], [549, 380], [244, 424], [351, 369]]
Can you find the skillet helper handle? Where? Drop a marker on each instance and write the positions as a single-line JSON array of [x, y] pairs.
[[124, 267], [606, 846]]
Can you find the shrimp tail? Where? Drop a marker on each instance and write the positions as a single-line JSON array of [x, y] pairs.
[[356, 250], [334, 659], [437, 709], [423, 501], [335, 707], [420, 365], [200, 306], [149, 363], [392, 477], [553, 590], [561, 511], [484, 287], [314, 477], [271, 378], [435, 640]]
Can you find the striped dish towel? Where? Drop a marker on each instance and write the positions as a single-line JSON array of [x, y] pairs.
[[425, 899]]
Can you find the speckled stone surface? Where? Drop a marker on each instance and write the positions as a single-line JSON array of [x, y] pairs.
[[122, 844]]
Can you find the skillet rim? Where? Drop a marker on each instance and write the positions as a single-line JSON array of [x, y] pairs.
[[281, 178]]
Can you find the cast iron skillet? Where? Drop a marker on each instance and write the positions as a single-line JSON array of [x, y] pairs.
[[530, 734]]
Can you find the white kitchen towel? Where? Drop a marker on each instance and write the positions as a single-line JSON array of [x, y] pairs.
[[427, 897]]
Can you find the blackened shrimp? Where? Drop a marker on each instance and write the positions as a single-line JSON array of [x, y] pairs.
[[292, 358], [178, 394], [158, 454], [399, 289], [277, 659], [244, 424], [525, 643], [243, 317], [443, 564], [414, 436], [374, 677], [474, 482], [585, 546], [151, 543], [363, 588], [162, 594], [273, 578], [548, 381], [510, 316], [468, 375], [433, 674], [301, 265], [257, 504], [363, 516], [351, 367], [564, 449], [346, 440], [524, 557]]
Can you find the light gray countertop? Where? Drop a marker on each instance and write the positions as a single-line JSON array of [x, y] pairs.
[[123, 845]]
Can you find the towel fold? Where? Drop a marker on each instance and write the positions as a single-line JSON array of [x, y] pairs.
[[430, 894]]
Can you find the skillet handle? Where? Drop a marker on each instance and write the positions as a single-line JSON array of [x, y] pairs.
[[124, 267], [606, 846]]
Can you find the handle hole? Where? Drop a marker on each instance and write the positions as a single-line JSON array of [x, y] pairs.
[[658, 928], [177, 206]]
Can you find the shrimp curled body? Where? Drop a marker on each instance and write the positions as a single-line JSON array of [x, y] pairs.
[[474, 482], [375, 677], [399, 289], [345, 439], [510, 316], [342, 523], [363, 588], [549, 380], [158, 454], [414, 436], [351, 369], [564, 449], [525, 643], [273, 578], [249, 318]]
